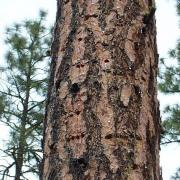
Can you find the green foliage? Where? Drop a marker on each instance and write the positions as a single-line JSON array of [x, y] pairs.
[[170, 84], [178, 7], [177, 175], [169, 75], [172, 125], [22, 95]]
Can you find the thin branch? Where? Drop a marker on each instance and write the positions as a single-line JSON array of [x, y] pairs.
[[9, 124], [18, 90], [6, 171], [170, 141], [12, 113], [32, 107], [9, 94]]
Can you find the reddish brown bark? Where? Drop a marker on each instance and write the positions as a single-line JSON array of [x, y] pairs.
[[102, 119]]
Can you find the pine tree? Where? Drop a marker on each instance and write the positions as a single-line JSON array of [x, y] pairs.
[[170, 84], [169, 74], [22, 96], [102, 115]]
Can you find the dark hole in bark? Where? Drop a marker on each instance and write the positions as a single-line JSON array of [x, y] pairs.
[[82, 135], [71, 115], [135, 166], [143, 30], [106, 60], [137, 90], [132, 67], [52, 146], [75, 88], [79, 65], [66, 1], [82, 162], [109, 136], [73, 31], [143, 78], [72, 138], [136, 46], [131, 154], [78, 112], [80, 39], [104, 44], [96, 83], [94, 61], [115, 88]]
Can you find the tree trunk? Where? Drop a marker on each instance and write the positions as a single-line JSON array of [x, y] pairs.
[[19, 159], [102, 116]]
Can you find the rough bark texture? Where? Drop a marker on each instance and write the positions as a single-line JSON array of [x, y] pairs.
[[102, 117]]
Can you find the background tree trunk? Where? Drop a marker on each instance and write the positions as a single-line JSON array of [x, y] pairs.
[[102, 116]]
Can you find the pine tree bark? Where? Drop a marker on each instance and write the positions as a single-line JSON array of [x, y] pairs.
[[102, 116]]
